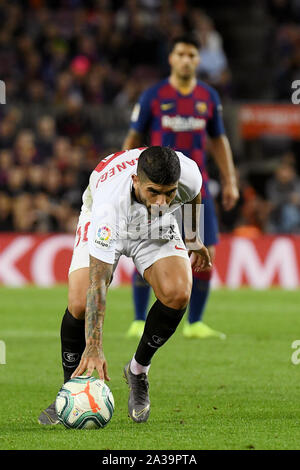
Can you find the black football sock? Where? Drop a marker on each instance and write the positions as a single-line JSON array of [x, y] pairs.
[[72, 335], [160, 325]]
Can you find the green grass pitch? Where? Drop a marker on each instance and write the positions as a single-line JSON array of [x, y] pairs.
[[241, 393]]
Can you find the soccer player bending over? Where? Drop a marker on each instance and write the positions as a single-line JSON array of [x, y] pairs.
[[130, 208]]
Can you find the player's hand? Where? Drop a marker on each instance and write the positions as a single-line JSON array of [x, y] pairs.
[[92, 359], [230, 196], [200, 258]]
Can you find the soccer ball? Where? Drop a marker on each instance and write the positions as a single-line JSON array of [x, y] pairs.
[[84, 403]]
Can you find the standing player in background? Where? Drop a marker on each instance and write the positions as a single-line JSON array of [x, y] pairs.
[[179, 112]]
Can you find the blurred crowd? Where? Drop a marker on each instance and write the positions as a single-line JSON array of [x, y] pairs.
[[60, 59], [97, 51], [285, 44], [276, 210]]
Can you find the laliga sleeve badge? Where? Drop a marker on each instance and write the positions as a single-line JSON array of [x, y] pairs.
[[103, 237]]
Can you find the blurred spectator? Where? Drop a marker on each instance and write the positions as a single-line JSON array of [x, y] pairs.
[[44, 214], [64, 85], [213, 66], [252, 218], [72, 192], [281, 10], [53, 185], [24, 148], [283, 191], [73, 121], [287, 46], [16, 181], [7, 133], [250, 215], [23, 213], [62, 153], [45, 137], [6, 220], [6, 161], [36, 175]]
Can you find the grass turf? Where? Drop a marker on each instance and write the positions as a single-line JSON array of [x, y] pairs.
[[242, 393]]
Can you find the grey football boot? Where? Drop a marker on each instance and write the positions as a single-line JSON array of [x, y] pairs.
[[138, 402], [48, 417]]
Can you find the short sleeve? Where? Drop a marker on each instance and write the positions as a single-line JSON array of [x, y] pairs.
[[141, 114], [190, 182], [102, 232]]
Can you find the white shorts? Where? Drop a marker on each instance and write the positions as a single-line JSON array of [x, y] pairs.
[[144, 253]]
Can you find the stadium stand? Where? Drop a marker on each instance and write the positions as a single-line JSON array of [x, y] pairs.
[[73, 70]]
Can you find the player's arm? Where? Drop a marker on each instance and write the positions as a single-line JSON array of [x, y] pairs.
[[200, 259], [220, 150], [139, 122], [134, 139], [93, 356]]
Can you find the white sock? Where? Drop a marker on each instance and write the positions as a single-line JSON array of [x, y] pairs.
[[137, 368]]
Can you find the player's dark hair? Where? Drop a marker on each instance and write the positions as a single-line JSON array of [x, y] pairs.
[[187, 38], [160, 165]]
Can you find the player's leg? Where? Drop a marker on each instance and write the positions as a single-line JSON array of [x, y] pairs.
[[72, 327], [171, 280], [200, 291], [194, 327], [141, 294], [72, 331]]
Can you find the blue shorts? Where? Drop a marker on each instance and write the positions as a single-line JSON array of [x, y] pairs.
[[210, 222]]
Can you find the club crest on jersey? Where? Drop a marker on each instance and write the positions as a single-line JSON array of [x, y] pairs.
[[166, 106], [103, 237], [201, 107]]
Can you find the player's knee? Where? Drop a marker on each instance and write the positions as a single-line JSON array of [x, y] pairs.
[[176, 297], [77, 308]]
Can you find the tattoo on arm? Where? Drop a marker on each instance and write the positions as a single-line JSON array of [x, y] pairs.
[[100, 276]]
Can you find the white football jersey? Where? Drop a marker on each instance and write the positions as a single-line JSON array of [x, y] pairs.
[[116, 215]]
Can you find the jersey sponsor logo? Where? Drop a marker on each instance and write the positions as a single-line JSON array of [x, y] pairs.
[[182, 124], [201, 107], [166, 106], [103, 237]]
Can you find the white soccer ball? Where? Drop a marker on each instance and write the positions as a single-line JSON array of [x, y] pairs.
[[84, 403]]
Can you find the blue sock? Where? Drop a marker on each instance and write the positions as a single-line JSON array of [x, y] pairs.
[[141, 295], [199, 296]]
